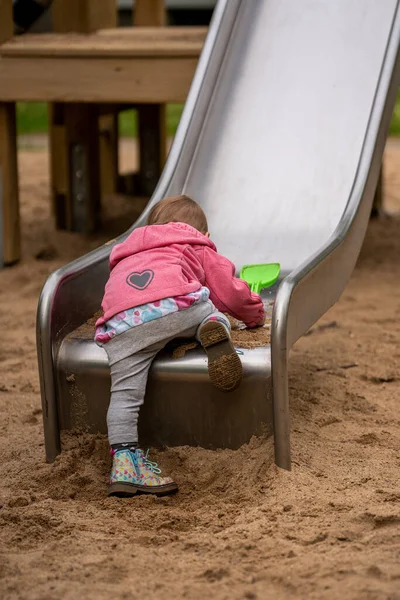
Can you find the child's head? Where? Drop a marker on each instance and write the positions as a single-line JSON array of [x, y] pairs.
[[178, 209]]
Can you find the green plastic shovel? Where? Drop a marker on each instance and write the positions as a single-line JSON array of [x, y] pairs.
[[260, 276]]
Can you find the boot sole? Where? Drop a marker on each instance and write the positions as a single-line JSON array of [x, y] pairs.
[[224, 366], [124, 490]]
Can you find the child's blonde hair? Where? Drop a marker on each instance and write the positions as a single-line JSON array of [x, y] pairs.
[[178, 209]]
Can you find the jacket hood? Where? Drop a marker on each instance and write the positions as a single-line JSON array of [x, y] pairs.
[[158, 236]]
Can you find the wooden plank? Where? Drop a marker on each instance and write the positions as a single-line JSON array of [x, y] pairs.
[[77, 80], [83, 15], [149, 13], [9, 201], [6, 20], [109, 43], [170, 32]]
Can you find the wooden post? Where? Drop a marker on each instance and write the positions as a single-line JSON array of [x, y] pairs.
[[83, 16], [109, 154], [149, 13], [59, 178], [82, 141], [6, 20], [152, 146], [9, 199], [151, 117]]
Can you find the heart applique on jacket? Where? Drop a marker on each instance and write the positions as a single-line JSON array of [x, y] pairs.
[[140, 281]]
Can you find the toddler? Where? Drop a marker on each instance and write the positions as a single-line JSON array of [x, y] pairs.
[[167, 281]]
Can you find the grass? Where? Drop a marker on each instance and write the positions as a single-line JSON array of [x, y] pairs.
[[32, 118], [395, 123]]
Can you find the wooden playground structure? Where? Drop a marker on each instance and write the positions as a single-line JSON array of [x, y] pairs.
[[88, 71]]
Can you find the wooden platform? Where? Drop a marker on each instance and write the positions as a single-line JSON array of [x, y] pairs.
[[87, 71], [154, 65]]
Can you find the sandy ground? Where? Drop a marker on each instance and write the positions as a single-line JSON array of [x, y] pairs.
[[240, 527]]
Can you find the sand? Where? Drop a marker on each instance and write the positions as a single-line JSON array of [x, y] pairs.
[[241, 336], [239, 527]]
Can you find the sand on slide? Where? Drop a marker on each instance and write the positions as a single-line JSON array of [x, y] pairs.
[[239, 527]]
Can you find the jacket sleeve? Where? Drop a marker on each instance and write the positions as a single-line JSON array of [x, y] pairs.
[[228, 293]]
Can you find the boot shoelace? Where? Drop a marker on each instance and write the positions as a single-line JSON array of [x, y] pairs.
[[149, 464]]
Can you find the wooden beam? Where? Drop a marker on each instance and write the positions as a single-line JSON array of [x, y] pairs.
[[100, 14], [151, 117], [83, 16], [59, 184], [68, 16], [59, 158], [141, 80], [6, 20], [82, 143], [110, 43], [75, 142], [149, 13], [109, 154], [153, 146], [9, 201]]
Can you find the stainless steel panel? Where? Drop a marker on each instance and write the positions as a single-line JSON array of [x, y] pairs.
[[281, 142], [181, 405]]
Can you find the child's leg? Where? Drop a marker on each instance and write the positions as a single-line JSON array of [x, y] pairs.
[[224, 366], [132, 471], [128, 387]]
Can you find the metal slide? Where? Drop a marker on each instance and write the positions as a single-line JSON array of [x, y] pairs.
[[281, 142]]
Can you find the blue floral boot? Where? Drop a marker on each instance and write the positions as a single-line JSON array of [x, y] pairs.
[[132, 473]]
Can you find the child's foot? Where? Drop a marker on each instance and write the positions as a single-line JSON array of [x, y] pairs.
[[224, 366], [132, 473]]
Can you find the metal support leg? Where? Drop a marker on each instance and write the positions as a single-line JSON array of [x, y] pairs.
[[280, 405]]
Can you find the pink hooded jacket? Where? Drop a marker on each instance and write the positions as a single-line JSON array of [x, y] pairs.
[[163, 261]]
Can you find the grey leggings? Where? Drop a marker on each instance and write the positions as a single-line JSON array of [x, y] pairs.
[[130, 355]]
